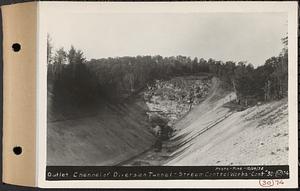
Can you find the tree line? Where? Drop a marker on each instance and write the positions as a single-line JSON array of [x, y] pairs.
[[72, 79]]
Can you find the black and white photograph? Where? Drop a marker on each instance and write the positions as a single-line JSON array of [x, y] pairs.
[[150, 94], [138, 89]]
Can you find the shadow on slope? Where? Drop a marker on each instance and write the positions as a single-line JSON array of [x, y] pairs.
[[106, 135]]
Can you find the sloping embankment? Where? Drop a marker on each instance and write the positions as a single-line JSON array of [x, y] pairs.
[[111, 135], [213, 134]]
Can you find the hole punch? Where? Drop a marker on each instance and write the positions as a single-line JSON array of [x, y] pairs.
[[17, 150], [16, 47]]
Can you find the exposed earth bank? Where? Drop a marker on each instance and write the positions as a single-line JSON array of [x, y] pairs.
[[208, 128], [255, 136]]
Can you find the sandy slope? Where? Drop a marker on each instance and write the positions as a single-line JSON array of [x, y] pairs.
[[255, 136], [112, 135]]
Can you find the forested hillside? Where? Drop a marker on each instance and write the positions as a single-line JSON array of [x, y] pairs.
[[74, 80]]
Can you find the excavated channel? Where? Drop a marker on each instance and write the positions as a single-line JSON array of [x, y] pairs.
[[168, 102]]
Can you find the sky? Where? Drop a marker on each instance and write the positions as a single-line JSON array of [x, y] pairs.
[[251, 37]]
